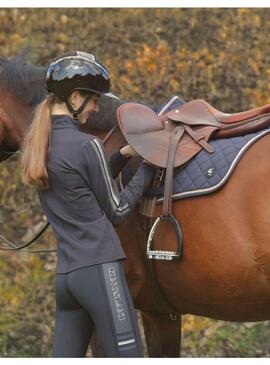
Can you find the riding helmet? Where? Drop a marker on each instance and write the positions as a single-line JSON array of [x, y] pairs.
[[76, 71]]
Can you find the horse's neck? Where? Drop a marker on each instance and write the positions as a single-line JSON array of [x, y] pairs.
[[113, 143], [15, 117]]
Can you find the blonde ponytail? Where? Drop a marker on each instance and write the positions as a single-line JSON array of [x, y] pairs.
[[35, 146]]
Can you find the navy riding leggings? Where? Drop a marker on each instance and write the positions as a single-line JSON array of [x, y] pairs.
[[95, 296]]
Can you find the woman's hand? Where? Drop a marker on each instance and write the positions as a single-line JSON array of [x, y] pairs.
[[149, 163], [128, 151]]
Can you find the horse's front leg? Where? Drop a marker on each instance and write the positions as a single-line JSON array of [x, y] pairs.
[[162, 334]]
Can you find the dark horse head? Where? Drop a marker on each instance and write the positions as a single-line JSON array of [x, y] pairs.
[[21, 90]]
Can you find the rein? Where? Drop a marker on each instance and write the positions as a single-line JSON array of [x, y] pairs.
[[13, 246]]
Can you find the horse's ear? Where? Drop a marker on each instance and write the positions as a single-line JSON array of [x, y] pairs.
[[20, 57]]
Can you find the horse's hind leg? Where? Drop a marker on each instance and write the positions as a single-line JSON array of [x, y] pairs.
[[95, 345], [162, 334]]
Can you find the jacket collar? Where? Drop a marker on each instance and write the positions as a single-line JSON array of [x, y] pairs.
[[60, 121]]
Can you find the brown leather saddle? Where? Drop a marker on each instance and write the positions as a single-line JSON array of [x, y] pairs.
[[172, 139], [151, 135]]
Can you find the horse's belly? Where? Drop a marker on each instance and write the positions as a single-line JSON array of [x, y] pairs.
[[224, 272], [240, 296]]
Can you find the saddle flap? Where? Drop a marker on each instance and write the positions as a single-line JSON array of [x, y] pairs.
[[144, 132], [136, 119]]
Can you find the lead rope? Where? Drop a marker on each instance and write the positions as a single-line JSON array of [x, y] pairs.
[[13, 246]]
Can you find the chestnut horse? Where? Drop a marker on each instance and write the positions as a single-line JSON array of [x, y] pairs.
[[224, 272]]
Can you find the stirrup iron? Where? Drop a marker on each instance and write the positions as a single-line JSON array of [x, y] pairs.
[[162, 254]]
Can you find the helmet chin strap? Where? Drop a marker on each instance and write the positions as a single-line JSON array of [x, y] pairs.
[[75, 113]]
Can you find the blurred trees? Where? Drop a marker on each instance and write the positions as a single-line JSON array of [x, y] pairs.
[[220, 55]]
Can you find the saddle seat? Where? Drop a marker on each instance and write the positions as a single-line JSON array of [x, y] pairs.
[[200, 112]]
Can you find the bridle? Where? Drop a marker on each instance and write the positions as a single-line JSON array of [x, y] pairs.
[[22, 248]]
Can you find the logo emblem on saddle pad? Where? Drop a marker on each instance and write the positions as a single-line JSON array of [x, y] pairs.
[[210, 172]]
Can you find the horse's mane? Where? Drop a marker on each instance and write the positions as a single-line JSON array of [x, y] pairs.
[[106, 118], [3, 61], [23, 80]]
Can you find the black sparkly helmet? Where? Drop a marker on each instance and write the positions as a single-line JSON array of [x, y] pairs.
[[76, 71]]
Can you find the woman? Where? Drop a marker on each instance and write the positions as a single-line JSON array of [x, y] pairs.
[[82, 203]]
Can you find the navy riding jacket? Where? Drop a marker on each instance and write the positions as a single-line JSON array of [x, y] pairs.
[[83, 202]]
